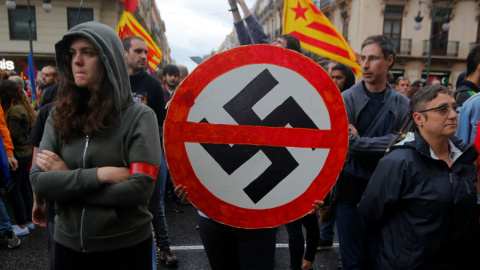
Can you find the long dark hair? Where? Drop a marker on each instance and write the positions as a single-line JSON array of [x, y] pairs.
[[348, 73], [80, 109], [11, 94]]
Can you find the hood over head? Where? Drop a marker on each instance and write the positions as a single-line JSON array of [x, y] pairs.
[[111, 53]]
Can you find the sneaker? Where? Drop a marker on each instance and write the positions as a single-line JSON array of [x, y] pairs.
[[325, 245], [19, 231], [167, 256], [31, 226], [12, 239]]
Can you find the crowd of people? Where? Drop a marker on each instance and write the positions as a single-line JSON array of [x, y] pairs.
[[406, 198]]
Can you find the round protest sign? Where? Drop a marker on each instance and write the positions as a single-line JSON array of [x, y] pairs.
[[256, 134]]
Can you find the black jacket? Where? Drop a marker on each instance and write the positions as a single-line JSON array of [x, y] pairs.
[[147, 90], [423, 210]]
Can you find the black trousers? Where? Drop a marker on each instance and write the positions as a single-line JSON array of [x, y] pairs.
[[134, 257], [237, 249], [296, 241]]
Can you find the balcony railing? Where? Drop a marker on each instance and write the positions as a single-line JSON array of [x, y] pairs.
[[441, 47], [326, 3], [404, 46]]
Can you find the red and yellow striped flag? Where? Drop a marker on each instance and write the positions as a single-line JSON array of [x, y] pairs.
[[128, 26], [316, 33]]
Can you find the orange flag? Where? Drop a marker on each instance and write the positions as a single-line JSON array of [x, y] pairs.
[[128, 26], [316, 33]]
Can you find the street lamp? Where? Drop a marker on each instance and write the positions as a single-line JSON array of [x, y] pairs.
[[418, 25], [11, 4], [47, 5]]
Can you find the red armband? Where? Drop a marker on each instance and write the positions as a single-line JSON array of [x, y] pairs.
[[146, 168]]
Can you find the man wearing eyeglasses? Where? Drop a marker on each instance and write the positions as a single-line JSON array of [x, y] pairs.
[[375, 114]]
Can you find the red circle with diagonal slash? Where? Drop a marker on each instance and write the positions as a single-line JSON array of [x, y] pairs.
[[179, 131]]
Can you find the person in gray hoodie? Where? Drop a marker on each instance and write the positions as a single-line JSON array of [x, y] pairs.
[[98, 157]]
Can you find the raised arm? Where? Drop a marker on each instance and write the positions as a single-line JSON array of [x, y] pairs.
[[235, 12], [255, 29], [242, 32], [245, 9]]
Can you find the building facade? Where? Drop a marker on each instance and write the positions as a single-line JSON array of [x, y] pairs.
[[49, 27], [358, 19]]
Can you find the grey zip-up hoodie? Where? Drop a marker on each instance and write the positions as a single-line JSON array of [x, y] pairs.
[[91, 217]]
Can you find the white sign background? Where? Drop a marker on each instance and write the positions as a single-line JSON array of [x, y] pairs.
[[229, 188]]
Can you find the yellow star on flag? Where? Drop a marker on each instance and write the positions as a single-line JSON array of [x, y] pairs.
[[317, 34]]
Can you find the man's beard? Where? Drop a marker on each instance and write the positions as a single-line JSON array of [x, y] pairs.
[[138, 69], [172, 86]]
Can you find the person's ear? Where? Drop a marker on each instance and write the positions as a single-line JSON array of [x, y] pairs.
[[390, 60], [419, 119]]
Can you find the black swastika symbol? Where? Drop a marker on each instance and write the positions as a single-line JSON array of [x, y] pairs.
[[240, 108]]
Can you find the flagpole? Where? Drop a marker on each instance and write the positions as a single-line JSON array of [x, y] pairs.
[[79, 12], [31, 70], [30, 27]]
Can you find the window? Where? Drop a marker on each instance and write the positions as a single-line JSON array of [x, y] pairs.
[[392, 24], [440, 37], [18, 23], [86, 15], [478, 31]]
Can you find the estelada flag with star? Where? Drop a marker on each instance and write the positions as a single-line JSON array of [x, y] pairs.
[[316, 33], [128, 26]]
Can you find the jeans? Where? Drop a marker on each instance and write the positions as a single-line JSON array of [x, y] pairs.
[[296, 240], [5, 224], [20, 191], [357, 248], [162, 178], [158, 221], [326, 233], [235, 248]]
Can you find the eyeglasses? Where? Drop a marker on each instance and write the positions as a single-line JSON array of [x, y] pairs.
[[371, 58], [443, 110]]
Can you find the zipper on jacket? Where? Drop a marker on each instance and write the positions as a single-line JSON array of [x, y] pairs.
[[81, 230], [84, 207], [466, 184], [85, 151], [450, 176]]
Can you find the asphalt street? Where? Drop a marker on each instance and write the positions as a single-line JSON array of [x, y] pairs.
[[186, 245]]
